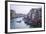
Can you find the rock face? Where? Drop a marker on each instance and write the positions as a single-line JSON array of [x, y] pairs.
[[34, 17], [12, 14]]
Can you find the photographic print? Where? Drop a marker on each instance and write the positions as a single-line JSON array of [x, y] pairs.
[[25, 16]]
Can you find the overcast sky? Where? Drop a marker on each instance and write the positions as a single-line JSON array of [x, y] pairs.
[[21, 8]]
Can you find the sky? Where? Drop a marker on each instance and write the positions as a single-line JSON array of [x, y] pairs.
[[21, 8]]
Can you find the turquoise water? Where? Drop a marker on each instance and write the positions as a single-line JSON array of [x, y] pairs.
[[18, 23]]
